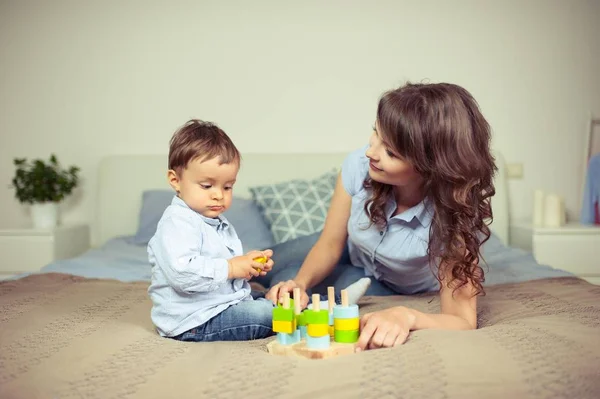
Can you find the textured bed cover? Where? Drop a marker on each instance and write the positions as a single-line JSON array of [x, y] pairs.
[[63, 336]]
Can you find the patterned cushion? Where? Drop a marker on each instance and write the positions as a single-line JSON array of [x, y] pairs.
[[297, 207]]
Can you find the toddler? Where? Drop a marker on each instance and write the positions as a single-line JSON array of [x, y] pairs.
[[199, 286]]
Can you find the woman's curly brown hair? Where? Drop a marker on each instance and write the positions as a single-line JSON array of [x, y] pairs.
[[440, 130]]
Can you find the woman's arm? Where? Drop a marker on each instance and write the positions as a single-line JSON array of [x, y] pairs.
[[391, 326], [458, 310], [324, 255]]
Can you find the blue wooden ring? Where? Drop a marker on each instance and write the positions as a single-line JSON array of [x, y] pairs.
[[318, 343], [345, 312]]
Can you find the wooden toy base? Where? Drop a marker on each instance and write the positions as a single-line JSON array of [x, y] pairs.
[[300, 350]]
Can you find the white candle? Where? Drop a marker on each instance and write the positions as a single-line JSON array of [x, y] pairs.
[[538, 208], [553, 211]]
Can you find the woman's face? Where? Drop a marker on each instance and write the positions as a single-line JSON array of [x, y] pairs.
[[387, 166]]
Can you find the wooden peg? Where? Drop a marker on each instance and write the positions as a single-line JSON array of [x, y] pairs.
[[297, 309], [316, 302], [331, 298], [286, 300], [344, 298]]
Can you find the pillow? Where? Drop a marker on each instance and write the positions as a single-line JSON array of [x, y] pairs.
[[295, 208], [249, 224], [243, 214], [154, 203]]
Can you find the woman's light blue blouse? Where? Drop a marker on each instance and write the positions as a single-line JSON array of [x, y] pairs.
[[397, 254]]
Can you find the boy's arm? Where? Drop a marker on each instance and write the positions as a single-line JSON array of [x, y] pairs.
[[175, 248]]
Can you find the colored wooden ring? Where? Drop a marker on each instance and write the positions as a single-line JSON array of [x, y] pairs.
[[318, 343], [345, 312], [317, 330], [288, 339], [347, 337], [302, 330], [283, 326], [281, 314], [347, 324], [313, 317]]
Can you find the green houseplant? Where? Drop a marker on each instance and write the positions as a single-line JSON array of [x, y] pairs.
[[43, 185]]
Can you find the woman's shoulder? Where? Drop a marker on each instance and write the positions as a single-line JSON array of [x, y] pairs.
[[354, 170]]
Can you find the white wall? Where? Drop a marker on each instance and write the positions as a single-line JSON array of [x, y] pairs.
[[87, 79]]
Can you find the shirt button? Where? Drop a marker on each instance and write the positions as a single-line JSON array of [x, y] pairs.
[[381, 233]]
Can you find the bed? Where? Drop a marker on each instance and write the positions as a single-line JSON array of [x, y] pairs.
[[81, 326]]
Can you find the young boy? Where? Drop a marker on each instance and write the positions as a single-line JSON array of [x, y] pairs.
[[199, 287]]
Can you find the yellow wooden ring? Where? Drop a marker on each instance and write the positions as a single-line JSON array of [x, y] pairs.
[[346, 324], [317, 330], [283, 326]]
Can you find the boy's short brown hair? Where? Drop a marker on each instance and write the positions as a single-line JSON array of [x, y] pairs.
[[200, 139]]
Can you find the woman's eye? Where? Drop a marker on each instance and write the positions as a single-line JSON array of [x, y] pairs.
[[390, 154]]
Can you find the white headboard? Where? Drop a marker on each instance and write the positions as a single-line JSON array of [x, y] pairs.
[[123, 178]]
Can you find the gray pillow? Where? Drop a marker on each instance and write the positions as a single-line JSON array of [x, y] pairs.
[[295, 208], [154, 203], [243, 214]]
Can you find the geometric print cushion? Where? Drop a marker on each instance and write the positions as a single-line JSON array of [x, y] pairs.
[[297, 207]]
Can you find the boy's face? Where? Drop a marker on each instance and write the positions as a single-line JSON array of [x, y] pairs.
[[205, 186]]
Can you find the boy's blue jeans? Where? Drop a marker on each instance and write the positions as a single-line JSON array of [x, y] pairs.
[[243, 321]]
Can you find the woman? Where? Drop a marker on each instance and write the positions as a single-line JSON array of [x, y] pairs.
[[413, 208]]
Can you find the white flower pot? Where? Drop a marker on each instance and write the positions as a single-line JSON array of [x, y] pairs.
[[44, 215]]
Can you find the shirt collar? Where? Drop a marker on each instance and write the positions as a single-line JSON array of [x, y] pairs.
[[219, 222], [423, 212]]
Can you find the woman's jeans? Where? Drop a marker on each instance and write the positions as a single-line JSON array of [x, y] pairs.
[[288, 258]]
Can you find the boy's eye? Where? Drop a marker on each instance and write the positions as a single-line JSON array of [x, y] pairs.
[[228, 188], [205, 186]]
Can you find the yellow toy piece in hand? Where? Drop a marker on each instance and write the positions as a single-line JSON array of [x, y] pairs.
[[262, 259]]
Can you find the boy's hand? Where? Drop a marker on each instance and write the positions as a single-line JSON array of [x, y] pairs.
[[246, 266], [265, 260]]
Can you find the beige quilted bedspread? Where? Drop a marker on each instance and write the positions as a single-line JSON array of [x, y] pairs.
[[69, 337]]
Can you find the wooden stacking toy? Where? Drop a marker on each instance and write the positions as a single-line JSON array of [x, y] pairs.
[[346, 321], [284, 322], [315, 333]]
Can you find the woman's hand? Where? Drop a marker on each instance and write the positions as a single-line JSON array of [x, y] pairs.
[[276, 292], [385, 328]]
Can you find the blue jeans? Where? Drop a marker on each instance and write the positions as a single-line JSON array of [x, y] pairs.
[[243, 321], [288, 258]]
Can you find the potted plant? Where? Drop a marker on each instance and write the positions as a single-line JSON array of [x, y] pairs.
[[43, 185]]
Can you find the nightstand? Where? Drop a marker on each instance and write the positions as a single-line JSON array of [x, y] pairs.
[[28, 250], [573, 247]]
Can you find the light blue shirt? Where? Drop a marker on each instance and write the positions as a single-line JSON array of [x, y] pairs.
[[397, 254], [188, 254]]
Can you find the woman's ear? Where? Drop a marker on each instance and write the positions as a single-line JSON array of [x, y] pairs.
[[173, 180]]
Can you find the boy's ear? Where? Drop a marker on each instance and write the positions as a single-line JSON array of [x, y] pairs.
[[173, 180]]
